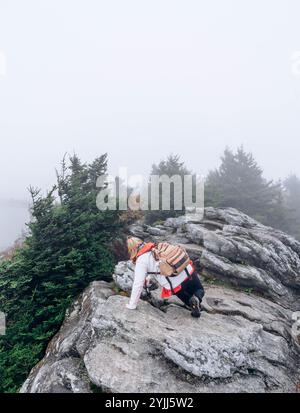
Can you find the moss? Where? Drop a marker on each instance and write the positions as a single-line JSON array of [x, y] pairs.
[[118, 291], [215, 281], [159, 222]]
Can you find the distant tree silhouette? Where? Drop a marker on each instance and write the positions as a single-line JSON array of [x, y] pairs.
[[239, 183], [171, 166]]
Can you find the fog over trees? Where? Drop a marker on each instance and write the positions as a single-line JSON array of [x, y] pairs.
[[209, 88], [13, 216]]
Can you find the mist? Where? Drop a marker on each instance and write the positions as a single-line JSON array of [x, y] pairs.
[[13, 217], [140, 80]]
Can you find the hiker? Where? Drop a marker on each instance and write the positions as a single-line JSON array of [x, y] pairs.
[[185, 285]]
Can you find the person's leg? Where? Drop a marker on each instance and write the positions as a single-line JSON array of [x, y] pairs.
[[197, 287], [184, 296], [194, 289], [198, 296], [191, 294]]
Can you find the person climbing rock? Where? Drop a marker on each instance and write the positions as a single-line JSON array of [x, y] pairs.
[[185, 284]]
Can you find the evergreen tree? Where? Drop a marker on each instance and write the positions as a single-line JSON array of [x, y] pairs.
[[292, 188], [170, 167], [67, 248], [292, 197], [239, 183]]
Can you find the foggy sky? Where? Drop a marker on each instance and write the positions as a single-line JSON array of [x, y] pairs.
[[140, 79]]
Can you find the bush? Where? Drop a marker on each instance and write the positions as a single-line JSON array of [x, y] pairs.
[[69, 245]]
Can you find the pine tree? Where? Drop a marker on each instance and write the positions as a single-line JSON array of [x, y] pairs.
[[292, 196], [67, 248], [171, 166], [292, 188], [239, 183]]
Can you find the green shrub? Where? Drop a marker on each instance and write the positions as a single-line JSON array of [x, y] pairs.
[[68, 246]]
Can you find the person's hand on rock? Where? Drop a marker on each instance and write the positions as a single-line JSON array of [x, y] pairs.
[[129, 307]]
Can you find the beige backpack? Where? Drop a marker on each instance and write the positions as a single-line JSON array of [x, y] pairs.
[[173, 259]]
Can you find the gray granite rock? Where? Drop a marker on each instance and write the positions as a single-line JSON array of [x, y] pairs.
[[247, 339], [242, 343]]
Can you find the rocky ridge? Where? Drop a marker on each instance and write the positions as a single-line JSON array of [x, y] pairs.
[[245, 341]]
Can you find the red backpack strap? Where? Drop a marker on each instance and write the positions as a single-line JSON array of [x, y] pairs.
[[145, 248]]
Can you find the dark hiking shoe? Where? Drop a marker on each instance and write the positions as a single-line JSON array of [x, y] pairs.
[[195, 307]]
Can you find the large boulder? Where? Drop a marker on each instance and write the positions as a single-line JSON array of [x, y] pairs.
[[247, 339], [242, 343], [231, 247]]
